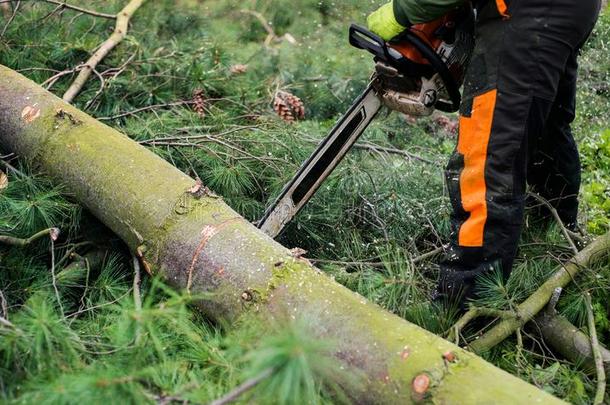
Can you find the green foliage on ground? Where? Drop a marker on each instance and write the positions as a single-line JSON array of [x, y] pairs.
[[77, 332]]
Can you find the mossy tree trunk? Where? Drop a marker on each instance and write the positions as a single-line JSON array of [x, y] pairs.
[[196, 242]]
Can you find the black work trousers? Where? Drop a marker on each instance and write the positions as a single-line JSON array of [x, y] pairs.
[[519, 101]]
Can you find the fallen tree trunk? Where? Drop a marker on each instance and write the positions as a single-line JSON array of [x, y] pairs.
[[195, 241]]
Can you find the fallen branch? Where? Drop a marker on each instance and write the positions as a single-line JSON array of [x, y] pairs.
[[391, 151], [567, 340], [243, 388], [62, 5], [120, 30], [597, 356], [13, 241], [148, 107], [473, 313], [11, 18], [555, 214], [536, 302]]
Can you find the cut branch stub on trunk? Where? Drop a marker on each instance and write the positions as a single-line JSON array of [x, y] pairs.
[[197, 241]]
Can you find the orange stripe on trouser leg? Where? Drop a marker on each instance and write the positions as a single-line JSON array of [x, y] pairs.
[[472, 144]]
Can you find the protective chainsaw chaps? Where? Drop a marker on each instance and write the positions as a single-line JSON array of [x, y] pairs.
[[417, 72]]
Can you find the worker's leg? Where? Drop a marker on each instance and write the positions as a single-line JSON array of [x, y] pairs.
[[554, 165], [509, 91]]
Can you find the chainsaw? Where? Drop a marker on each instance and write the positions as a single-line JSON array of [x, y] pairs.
[[415, 73]]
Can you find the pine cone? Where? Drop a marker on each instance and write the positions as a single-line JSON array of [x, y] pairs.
[[199, 102], [288, 106]]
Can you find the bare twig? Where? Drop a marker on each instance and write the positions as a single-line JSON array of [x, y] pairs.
[[555, 214], [10, 20], [137, 298], [416, 259], [243, 387], [148, 107], [54, 277], [597, 356], [120, 30], [6, 322], [63, 4], [476, 312], [392, 151], [10, 166], [4, 305], [13, 241]]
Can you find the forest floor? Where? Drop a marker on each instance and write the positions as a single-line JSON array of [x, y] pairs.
[[195, 82]]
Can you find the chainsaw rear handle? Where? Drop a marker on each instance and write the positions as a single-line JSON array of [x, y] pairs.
[[362, 38]]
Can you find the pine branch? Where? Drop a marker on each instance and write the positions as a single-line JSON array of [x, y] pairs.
[[537, 301], [120, 30]]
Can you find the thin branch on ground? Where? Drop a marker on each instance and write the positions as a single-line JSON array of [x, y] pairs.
[[243, 387], [54, 278], [427, 255], [473, 313], [82, 298], [147, 108], [6, 322], [271, 35], [20, 242], [555, 214], [10, 166], [47, 84], [416, 259], [64, 5], [597, 356], [120, 30], [3, 305], [391, 151], [137, 297], [11, 18]]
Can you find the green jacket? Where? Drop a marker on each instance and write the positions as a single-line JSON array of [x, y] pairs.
[[421, 11]]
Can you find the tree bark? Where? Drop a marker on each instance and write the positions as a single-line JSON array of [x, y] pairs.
[[195, 241], [568, 340]]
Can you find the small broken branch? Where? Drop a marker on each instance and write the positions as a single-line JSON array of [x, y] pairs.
[[555, 214], [120, 30], [476, 312], [538, 300], [243, 387], [63, 4], [11, 18], [597, 356], [53, 233]]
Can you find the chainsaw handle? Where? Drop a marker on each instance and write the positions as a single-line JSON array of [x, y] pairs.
[[362, 38]]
